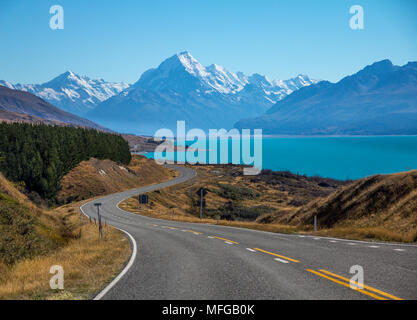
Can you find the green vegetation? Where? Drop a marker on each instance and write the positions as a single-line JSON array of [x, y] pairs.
[[228, 191], [19, 238], [40, 155], [232, 211]]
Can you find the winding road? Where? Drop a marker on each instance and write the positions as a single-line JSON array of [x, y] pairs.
[[178, 260]]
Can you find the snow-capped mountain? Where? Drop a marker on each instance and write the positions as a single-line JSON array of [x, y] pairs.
[[71, 92], [181, 88], [182, 72]]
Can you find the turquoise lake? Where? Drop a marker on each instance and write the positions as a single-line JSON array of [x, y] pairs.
[[337, 157]]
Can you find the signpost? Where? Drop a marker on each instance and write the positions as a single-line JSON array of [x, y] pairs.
[[100, 227], [143, 199], [202, 193]]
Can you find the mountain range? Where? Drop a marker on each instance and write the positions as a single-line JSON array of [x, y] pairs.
[[380, 99], [71, 92], [181, 88]]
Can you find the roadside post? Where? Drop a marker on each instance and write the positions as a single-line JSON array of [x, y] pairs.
[[315, 222], [143, 199], [202, 193], [100, 227]]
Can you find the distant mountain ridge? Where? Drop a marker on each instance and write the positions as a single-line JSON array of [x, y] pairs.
[[71, 92], [22, 106], [181, 88], [379, 99]]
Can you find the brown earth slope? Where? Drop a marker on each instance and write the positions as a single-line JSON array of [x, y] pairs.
[[24, 104], [101, 177], [384, 205], [32, 240], [235, 197]]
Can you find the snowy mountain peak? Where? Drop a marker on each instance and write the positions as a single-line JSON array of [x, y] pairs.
[[183, 73], [71, 92], [191, 65]]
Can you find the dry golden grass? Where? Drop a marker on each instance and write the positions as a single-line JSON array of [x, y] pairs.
[[101, 177], [380, 207], [63, 238], [375, 208], [131, 205], [56, 237], [88, 263]]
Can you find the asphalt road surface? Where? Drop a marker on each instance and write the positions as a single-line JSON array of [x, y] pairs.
[[178, 260]]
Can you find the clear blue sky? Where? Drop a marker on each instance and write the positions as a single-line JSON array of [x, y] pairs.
[[118, 40]]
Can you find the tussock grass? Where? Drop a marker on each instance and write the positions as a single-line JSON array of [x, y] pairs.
[[88, 263], [33, 239], [101, 177], [381, 207]]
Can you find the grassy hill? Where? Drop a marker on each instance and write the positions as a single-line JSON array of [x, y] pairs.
[[33, 238], [380, 206], [101, 177]]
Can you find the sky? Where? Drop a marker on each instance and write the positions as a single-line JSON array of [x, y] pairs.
[[119, 40]]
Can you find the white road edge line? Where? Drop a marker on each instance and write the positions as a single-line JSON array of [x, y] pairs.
[[281, 260], [125, 269], [251, 250], [228, 242], [401, 250]]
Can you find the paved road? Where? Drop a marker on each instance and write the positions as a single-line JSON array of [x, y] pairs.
[[177, 260]]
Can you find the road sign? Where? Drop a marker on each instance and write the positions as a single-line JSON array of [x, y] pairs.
[[201, 192], [204, 203], [143, 199]]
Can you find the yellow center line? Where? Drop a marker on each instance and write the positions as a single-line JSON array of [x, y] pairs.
[[365, 286], [276, 255], [195, 232], [226, 240], [346, 285]]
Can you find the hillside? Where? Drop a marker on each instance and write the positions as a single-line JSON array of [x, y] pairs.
[[380, 207], [33, 239], [40, 155], [140, 143], [234, 197], [101, 177], [380, 99], [25, 103], [387, 203]]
